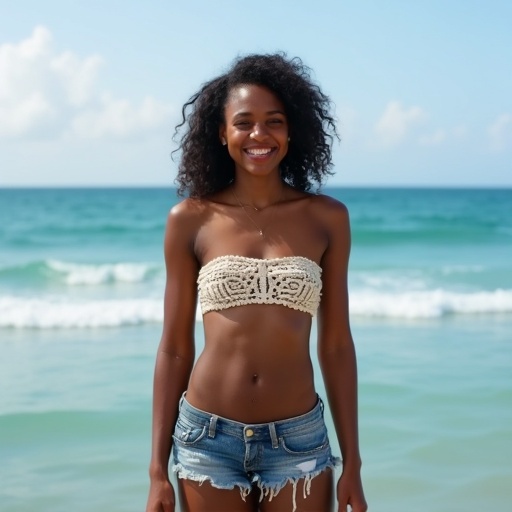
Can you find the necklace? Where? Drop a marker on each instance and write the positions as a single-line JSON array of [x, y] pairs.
[[259, 228]]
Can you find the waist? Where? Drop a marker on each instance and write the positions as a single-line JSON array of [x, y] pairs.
[[310, 420]]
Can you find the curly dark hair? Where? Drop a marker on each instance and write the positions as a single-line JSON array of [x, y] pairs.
[[206, 167]]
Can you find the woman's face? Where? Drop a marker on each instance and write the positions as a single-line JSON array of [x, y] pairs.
[[256, 129]]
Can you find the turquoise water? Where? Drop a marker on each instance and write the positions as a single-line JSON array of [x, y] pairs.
[[81, 281]]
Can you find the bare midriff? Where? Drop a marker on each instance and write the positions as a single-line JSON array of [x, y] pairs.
[[255, 374]]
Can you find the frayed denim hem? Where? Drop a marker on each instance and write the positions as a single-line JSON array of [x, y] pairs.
[[266, 490], [186, 474], [273, 490]]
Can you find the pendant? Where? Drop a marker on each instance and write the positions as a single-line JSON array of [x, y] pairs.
[[261, 232]]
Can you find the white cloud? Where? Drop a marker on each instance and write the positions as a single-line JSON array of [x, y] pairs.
[[119, 118], [396, 122], [433, 139], [442, 135], [500, 132], [28, 114], [44, 93], [77, 77]]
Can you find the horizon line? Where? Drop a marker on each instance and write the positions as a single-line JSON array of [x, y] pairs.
[[327, 186]]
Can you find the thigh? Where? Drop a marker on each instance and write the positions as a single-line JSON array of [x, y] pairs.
[[320, 498], [196, 497]]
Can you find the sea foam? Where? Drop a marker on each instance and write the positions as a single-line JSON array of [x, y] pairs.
[[78, 274], [88, 274], [51, 312], [429, 303], [60, 312]]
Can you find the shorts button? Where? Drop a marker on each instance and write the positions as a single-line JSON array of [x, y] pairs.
[[249, 432]]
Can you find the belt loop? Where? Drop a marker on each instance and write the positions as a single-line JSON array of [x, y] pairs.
[[213, 426], [273, 435], [180, 403]]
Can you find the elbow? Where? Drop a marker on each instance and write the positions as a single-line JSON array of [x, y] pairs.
[[335, 351], [178, 358], [178, 354]]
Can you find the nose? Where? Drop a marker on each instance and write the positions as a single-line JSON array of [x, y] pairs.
[[259, 132]]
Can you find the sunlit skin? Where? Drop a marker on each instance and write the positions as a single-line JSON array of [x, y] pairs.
[[256, 357]]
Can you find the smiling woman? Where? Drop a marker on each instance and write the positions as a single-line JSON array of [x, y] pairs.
[[263, 255], [205, 167], [255, 129]]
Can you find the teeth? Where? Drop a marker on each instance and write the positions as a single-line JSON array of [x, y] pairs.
[[258, 151]]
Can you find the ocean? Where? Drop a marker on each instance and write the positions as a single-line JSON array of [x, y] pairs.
[[81, 286]]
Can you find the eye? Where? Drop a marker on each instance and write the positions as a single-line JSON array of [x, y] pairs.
[[276, 121]]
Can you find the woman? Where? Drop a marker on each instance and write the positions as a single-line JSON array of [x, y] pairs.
[[263, 255]]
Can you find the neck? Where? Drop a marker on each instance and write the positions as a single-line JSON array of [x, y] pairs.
[[258, 192]]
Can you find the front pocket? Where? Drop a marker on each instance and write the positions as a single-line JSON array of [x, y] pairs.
[[188, 436], [306, 443]]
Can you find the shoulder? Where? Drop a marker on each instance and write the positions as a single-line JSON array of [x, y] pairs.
[[332, 213], [328, 204], [187, 209], [319, 203], [189, 212], [184, 221]]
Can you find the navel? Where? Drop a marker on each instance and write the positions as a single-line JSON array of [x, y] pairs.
[[255, 378]]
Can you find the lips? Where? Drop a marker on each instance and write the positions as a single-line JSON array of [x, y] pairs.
[[259, 152]]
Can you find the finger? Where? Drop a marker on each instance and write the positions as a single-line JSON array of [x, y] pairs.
[[360, 507], [343, 503]]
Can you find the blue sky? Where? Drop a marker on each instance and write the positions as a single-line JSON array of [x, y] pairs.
[[90, 91]]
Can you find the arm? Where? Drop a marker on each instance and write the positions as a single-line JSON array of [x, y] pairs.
[[337, 356], [176, 351]]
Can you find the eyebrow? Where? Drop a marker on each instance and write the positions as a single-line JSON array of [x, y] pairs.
[[269, 113]]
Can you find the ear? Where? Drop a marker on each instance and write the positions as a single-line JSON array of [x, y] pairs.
[[222, 135]]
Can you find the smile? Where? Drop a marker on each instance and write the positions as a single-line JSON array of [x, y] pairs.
[[258, 151]]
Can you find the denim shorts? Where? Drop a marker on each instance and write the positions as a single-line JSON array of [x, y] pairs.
[[228, 453]]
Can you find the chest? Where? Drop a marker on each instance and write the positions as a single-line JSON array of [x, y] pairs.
[[261, 235]]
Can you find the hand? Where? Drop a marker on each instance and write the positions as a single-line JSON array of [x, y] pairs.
[[161, 496], [350, 492]]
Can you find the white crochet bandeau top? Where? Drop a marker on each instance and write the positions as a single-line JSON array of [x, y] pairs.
[[229, 281]]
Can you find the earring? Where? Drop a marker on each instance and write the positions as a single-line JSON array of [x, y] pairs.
[[288, 139], [223, 141]]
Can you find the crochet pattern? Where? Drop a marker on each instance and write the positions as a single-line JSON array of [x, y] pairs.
[[229, 281]]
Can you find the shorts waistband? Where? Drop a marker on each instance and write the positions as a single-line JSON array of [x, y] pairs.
[[253, 431]]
